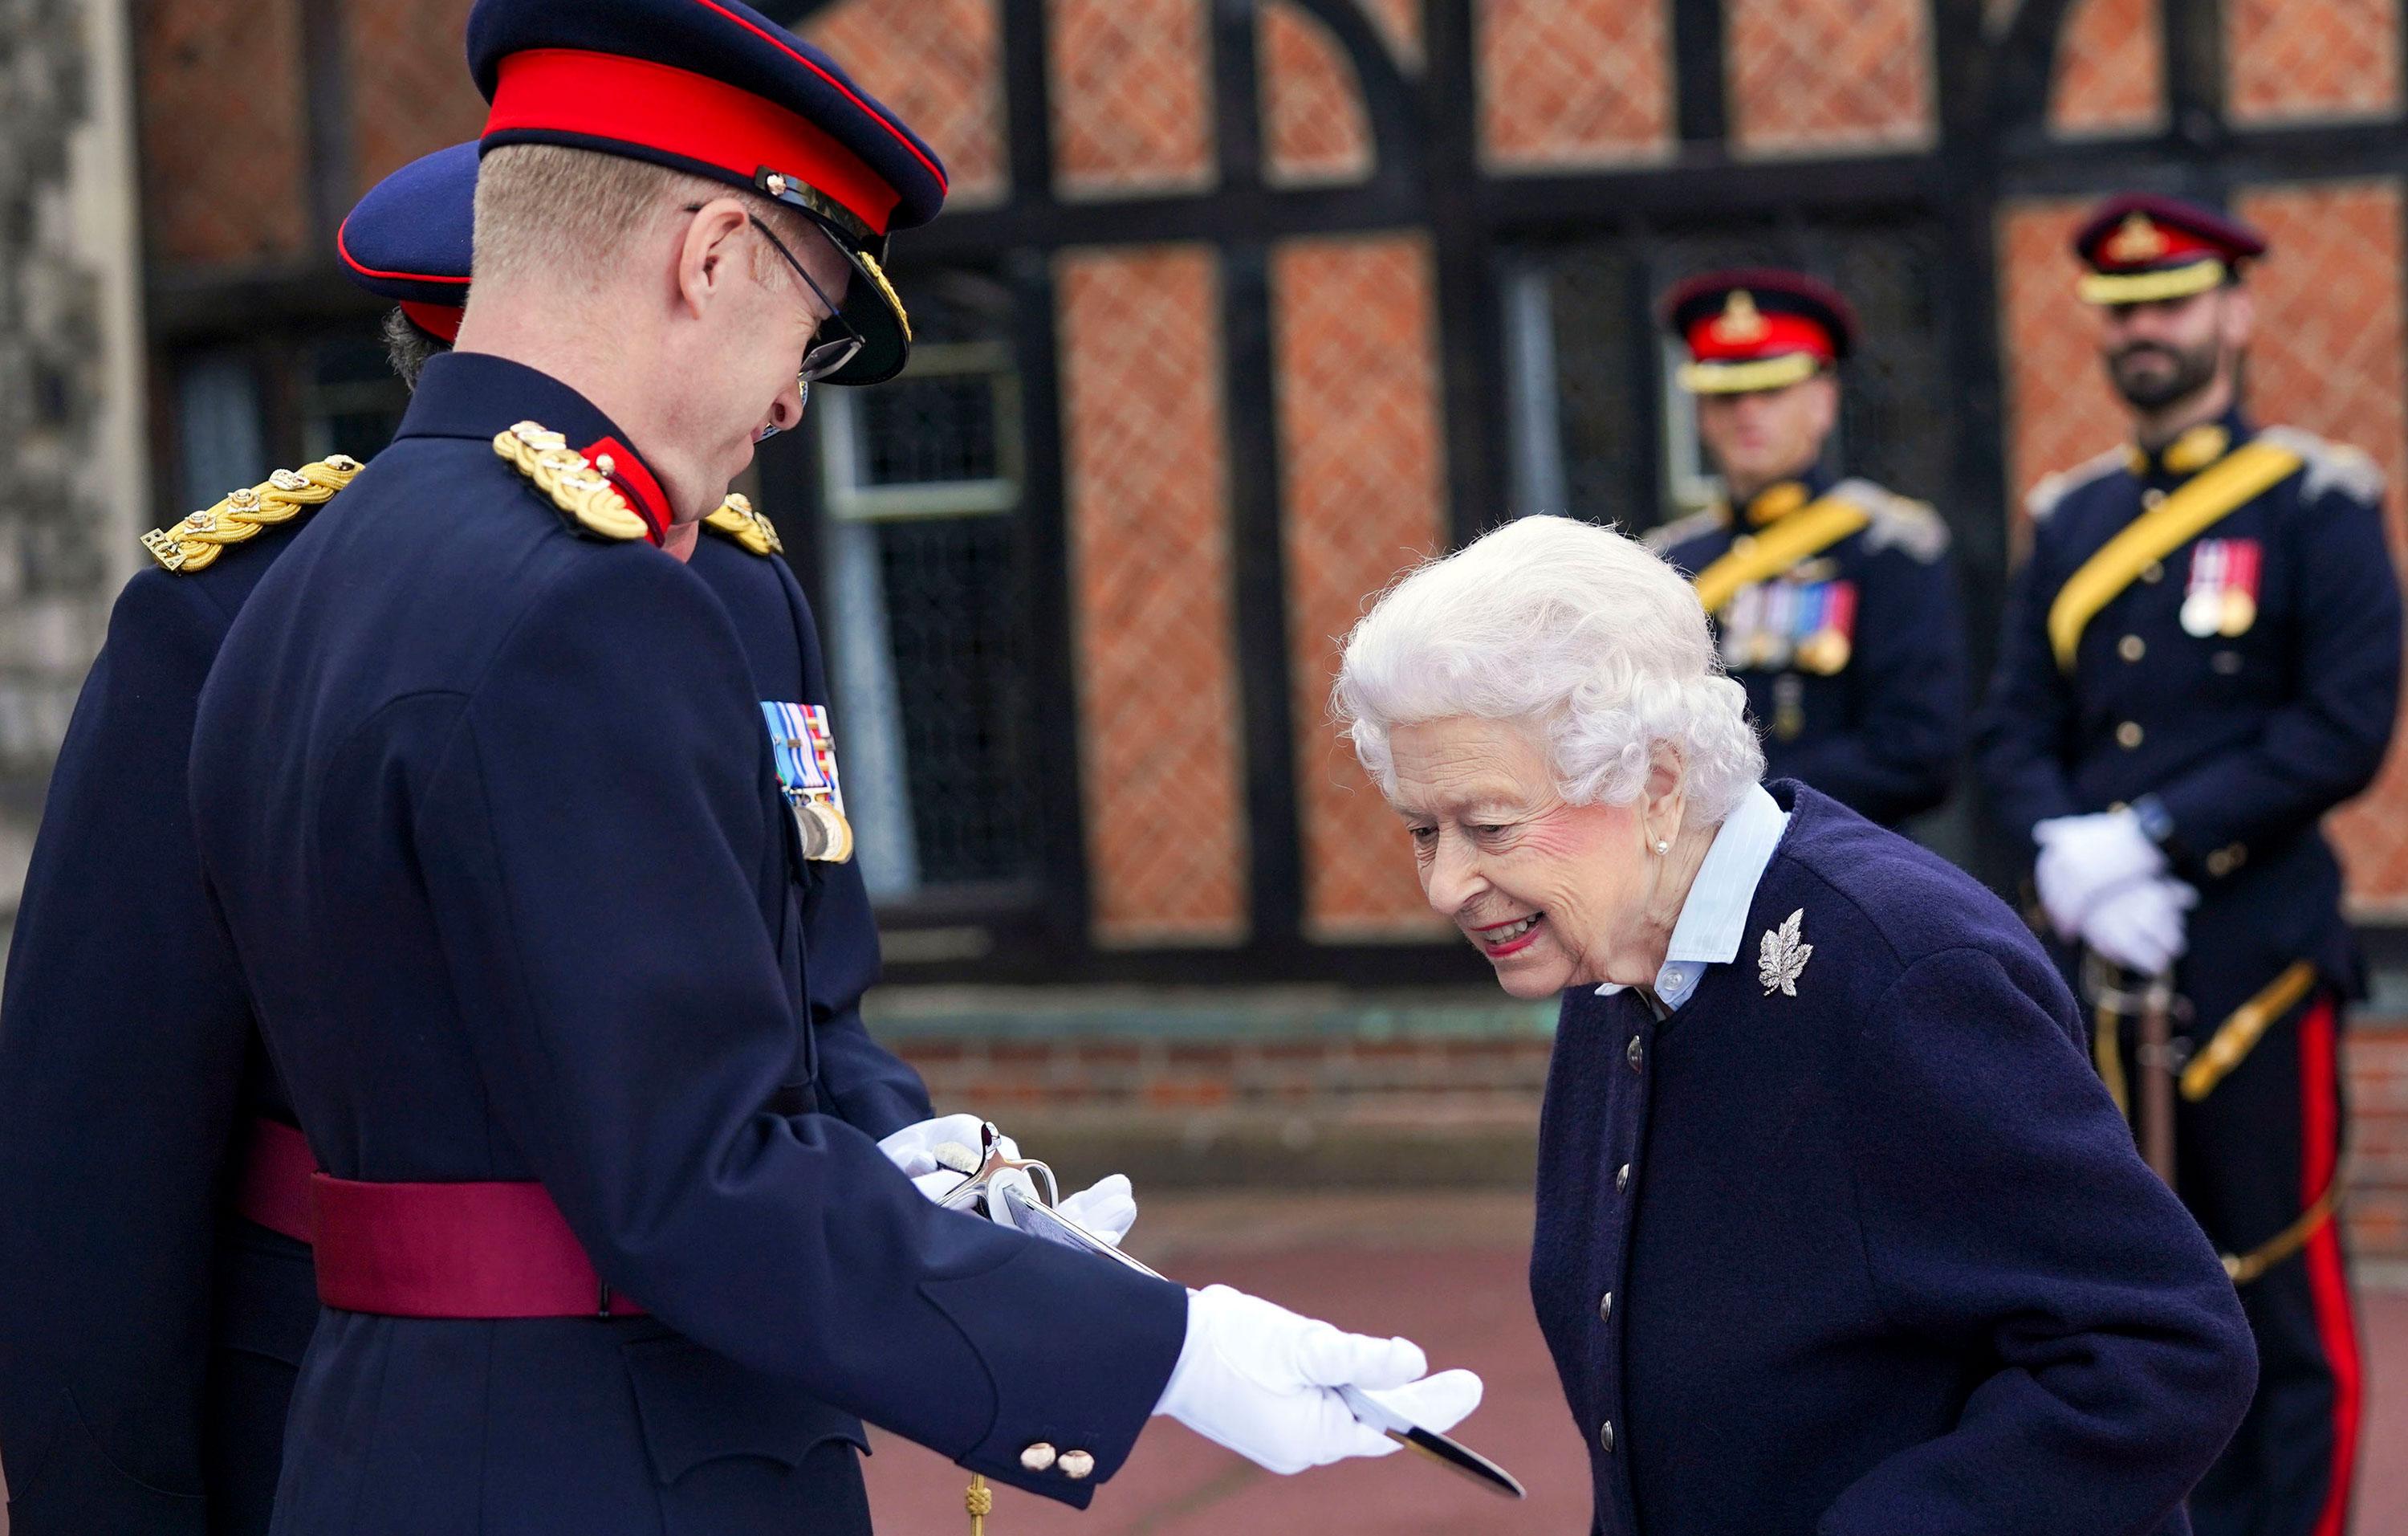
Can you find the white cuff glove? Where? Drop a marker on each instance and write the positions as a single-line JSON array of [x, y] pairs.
[[1106, 1208], [913, 1149], [1258, 1379], [2084, 858], [2139, 927]]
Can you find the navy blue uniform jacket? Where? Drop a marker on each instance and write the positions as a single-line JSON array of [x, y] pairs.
[[119, 1103], [1885, 1259], [1882, 734], [2246, 740], [493, 822]]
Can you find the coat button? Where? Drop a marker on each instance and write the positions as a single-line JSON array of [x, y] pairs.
[[1635, 1053], [1605, 1437], [1622, 1178], [2127, 735], [1037, 1456], [1605, 1309], [2152, 498], [1077, 1465], [2131, 647], [2153, 573]]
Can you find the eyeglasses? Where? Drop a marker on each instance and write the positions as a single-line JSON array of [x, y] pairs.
[[823, 356], [835, 342]]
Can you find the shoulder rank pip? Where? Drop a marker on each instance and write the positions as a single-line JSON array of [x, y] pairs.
[[741, 522], [588, 502], [192, 543], [2329, 465], [1897, 522]]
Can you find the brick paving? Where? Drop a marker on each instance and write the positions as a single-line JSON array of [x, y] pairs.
[[1456, 1284]]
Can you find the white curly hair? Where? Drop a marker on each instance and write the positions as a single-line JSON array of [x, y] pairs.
[[1584, 634]]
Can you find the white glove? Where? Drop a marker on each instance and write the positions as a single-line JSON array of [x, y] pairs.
[[2139, 927], [1258, 1379], [913, 1149], [2084, 858], [1106, 1208]]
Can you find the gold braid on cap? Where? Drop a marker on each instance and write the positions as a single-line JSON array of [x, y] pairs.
[[737, 518], [583, 492], [192, 544]]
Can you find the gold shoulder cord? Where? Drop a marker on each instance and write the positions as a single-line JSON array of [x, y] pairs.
[[574, 486], [736, 518], [980, 1502], [192, 544], [1800, 535]]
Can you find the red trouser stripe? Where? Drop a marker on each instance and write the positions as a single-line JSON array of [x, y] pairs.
[[2327, 1286]]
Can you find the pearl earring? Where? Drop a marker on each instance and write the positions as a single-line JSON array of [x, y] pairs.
[[1663, 847]]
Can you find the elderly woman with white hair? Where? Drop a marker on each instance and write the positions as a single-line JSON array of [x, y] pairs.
[[1836, 1232]]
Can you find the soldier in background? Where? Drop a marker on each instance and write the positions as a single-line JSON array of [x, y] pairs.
[[1834, 600], [2201, 658]]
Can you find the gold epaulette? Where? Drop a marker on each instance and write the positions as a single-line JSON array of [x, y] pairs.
[[192, 544], [583, 494], [738, 520]]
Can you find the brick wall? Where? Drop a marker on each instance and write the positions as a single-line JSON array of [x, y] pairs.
[[938, 64], [2378, 1166], [1363, 497], [2289, 59], [2111, 69], [223, 130], [409, 85], [1827, 75], [1132, 96], [1315, 130], [1574, 82], [1147, 468]]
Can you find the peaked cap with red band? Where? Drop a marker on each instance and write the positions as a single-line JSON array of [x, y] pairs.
[[715, 88], [2142, 248], [408, 238], [1757, 328]]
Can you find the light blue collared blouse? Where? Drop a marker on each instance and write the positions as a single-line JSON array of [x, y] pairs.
[[1714, 918]]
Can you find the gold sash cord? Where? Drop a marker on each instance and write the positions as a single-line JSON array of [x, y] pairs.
[[2233, 480], [1800, 535], [2232, 1040], [2235, 1037], [2245, 1267]]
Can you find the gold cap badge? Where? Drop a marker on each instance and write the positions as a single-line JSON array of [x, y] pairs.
[[2136, 239], [1740, 321]]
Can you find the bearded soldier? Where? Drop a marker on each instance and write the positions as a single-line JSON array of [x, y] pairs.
[[2201, 657]]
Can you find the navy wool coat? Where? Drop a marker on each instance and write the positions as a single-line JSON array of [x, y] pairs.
[[1876, 1258]]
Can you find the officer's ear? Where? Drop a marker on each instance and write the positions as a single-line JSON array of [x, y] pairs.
[[2237, 317], [710, 253], [1823, 401]]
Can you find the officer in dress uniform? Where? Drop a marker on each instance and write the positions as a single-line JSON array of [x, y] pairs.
[[481, 786], [1833, 600], [160, 1266], [2201, 658]]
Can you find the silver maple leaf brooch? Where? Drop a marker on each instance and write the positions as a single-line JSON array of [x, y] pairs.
[[1782, 957]]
